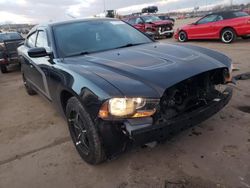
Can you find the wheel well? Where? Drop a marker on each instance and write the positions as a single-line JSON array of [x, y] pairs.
[[228, 27], [64, 97], [183, 31]]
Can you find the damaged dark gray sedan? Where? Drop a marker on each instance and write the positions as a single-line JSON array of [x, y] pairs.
[[117, 87]]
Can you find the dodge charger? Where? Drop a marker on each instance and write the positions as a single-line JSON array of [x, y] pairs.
[[118, 88]]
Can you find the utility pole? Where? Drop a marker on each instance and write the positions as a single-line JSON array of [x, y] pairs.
[[104, 6]]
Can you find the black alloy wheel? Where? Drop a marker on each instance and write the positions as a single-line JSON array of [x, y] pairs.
[[84, 132]]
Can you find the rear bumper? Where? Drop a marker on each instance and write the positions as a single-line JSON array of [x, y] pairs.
[[164, 131]]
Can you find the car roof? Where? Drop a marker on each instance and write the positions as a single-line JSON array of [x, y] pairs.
[[54, 23], [5, 33], [226, 12], [139, 16]]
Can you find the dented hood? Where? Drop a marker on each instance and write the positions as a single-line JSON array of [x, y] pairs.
[[148, 70]]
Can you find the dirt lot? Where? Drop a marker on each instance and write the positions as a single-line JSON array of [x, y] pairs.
[[36, 150]]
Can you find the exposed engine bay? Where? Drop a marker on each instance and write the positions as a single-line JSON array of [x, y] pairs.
[[191, 94]]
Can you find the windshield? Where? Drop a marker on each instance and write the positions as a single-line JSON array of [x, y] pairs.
[[94, 36], [9, 36], [149, 19]]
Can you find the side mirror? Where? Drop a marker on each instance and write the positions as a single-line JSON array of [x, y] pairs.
[[37, 52]]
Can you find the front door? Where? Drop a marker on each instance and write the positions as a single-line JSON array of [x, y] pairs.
[[204, 28]]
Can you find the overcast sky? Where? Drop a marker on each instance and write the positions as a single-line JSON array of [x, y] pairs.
[[36, 11]]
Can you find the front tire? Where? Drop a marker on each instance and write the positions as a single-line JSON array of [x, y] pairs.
[[4, 69], [170, 35], [84, 133], [228, 36], [183, 37]]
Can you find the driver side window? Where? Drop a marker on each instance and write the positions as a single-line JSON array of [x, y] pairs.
[[138, 21], [208, 19], [132, 21]]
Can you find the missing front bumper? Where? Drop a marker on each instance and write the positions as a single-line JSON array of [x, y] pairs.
[[150, 132]]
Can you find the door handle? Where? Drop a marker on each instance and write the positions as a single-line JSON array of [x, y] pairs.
[[31, 66]]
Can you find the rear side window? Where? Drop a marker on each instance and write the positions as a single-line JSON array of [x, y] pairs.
[[240, 14], [31, 40], [231, 15]]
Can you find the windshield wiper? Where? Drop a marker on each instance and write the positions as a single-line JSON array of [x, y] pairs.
[[78, 54], [129, 45]]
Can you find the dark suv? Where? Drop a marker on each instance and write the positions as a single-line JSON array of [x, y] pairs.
[[152, 25], [8, 49]]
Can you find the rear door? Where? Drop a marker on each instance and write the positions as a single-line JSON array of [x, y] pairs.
[[23, 55], [40, 66], [37, 68]]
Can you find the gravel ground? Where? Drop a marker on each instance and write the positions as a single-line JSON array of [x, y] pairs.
[[36, 150]]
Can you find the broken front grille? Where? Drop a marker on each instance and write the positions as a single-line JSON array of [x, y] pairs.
[[163, 28], [190, 94]]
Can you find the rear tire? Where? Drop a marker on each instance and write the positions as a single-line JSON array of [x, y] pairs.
[[228, 36], [84, 133], [28, 87], [183, 37], [4, 69]]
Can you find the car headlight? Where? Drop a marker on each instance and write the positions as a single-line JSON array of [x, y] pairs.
[[128, 108]]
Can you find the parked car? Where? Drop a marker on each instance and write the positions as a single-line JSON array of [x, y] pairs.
[[164, 17], [226, 26], [247, 10], [150, 9], [152, 25], [8, 49], [119, 88]]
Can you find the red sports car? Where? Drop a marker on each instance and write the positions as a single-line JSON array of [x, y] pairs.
[[226, 26]]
